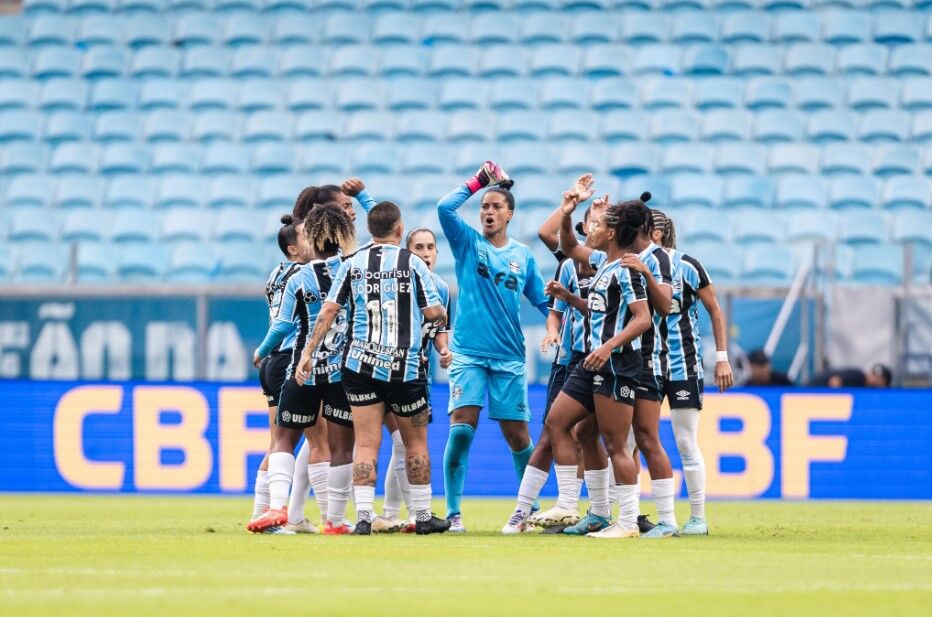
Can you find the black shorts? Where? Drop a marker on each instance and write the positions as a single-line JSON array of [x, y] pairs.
[[650, 387], [685, 394], [403, 398], [582, 385], [300, 406], [336, 406], [558, 376], [272, 375]]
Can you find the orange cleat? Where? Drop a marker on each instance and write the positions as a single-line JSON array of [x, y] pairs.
[[270, 518], [330, 530]]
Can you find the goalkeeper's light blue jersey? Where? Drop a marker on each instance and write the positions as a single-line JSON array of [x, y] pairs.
[[491, 281]]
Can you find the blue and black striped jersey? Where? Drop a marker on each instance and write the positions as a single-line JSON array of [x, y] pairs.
[[301, 303], [612, 289], [430, 330], [274, 288], [653, 342], [682, 324], [573, 331], [385, 289]]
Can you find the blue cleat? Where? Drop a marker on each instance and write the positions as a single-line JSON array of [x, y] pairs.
[[662, 530], [535, 507], [589, 524], [695, 527]]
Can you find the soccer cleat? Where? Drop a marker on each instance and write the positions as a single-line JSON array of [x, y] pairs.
[[662, 530], [554, 516], [409, 525], [535, 507], [384, 524], [279, 531], [456, 523], [270, 518], [433, 525], [695, 526], [556, 529], [616, 530], [363, 528], [644, 525], [589, 524], [330, 530], [304, 526], [516, 524]]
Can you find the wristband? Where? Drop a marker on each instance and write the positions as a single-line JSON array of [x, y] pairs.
[[721, 356], [473, 184]]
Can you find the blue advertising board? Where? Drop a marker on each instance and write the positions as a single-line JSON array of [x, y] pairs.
[[209, 438]]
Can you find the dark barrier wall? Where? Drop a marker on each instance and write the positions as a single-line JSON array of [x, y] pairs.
[[209, 438]]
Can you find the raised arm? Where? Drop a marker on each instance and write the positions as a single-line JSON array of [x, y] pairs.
[[454, 227], [549, 232], [354, 187]]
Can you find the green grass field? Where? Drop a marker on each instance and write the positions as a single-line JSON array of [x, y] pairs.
[[103, 555]]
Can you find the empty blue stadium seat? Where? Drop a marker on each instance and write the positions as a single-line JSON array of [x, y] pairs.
[[627, 160], [893, 160], [197, 29], [180, 191], [85, 225], [244, 29], [13, 31], [166, 125], [866, 94], [324, 159], [811, 226], [266, 126], [726, 125], [17, 94], [419, 126], [237, 261], [768, 264], [827, 126], [539, 28], [846, 28], [394, 28], [717, 93], [308, 94], [273, 158], [457, 94], [22, 158], [301, 61], [854, 192], [502, 61], [745, 27], [794, 191], [40, 262], [579, 158], [795, 27], [591, 28], [793, 158], [866, 226], [657, 59], [74, 157], [153, 61], [110, 94], [428, 190], [722, 262], [123, 158], [67, 126], [29, 191], [99, 30], [56, 62], [911, 60], [19, 125], [420, 159], [752, 59], [688, 190], [740, 158], [906, 192], [862, 59], [216, 126], [563, 93], [689, 27], [883, 126], [778, 125], [606, 60], [644, 28], [368, 126], [162, 94], [573, 126], [225, 158], [130, 191], [103, 61], [673, 126], [814, 93], [402, 61], [142, 263], [877, 264], [440, 29], [528, 159], [356, 95], [663, 92], [845, 159], [917, 94], [48, 30], [62, 94], [913, 226], [253, 61], [28, 226], [611, 94], [470, 126], [624, 125], [205, 61], [115, 126], [186, 224], [79, 192], [807, 59], [233, 191], [758, 227], [695, 158], [897, 27], [522, 126], [144, 30], [174, 158], [767, 93], [294, 29], [407, 94], [352, 61], [95, 262]]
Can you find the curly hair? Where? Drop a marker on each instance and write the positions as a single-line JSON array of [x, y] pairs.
[[330, 230]]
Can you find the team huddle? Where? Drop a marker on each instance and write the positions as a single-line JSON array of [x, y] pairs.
[[353, 330]]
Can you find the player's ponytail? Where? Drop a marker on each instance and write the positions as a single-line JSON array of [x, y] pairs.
[[330, 230], [287, 234], [667, 231], [629, 219]]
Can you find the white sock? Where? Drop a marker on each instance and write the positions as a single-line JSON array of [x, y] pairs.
[[281, 469], [566, 486], [339, 486], [580, 483], [420, 501], [260, 501], [531, 484], [629, 505], [363, 496], [317, 474], [300, 485], [662, 492], [612, 487], [597, 483], [399, 455], [686, 431], [392, 503]]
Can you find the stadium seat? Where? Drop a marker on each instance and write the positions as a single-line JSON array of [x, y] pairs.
[[405, 94], [573, 126], [406, 61], [906, 192], [395, 29], [845, 159], [438, 30], [916, 94], [718, 93], [526, 159], [253, 62], [868, 59], [698, 227], [13, 31], [611, 94], [420, 126], [811, 226], [40, 262], [814, 93], [579, 158], [53, 62], [865, 226], [103, 61], [85, 225], [657, 59], [116, 126], [74, 158], [17, 94], [237, 261], [130, 192], [911, 60], [880, 264], [259, 95], [112, 94], [216, 126], [722, 261], [225, 158], [368, 126], [744, 27], [19, 125], [808, 59], [67, 126], [758, 227], [186, 224], [726, 125], [236, 191], [300, 61], [371, 159], [166, 125], [191, 262], [624, 125], [27, 226], [627, 160], [644, 28], [691, 27], [62, 94], [893, 160], [453, 61], [324, 159], [563, 93], [753, 60], [673, 126], [794, 191], [663, 92], [458, 94], [196, 29], [205, 61], [294, 30], [921, 129], [146, 263], [589, 28], [740, 158], [242, 28], [689, 190], [705, 59], [846, 28], [555, 61], [522, 126], [308, 94], [162, 94], [795, 27], [883, 126], [22, 158], [95, 263], [151, 62], [778, 125], [29, 191], [470, 126], [768, 264], [317, 126], [358, 95], [767, 93], [123, 158], [180, 191], [502, 61], [427, 190], [80, 192], [144, 30], [897, 28], [50, 30], [266, 126], [828, 126], [854, 192], [688, 158], [174, 158], [865, 94], [793, 158], [913, 226], [352, 61]]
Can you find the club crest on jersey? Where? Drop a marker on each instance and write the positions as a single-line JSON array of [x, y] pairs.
[[682, 395], [514, 266], [602, 283], [457, 391]]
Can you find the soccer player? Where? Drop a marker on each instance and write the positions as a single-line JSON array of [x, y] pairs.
[[300, 405], [492, 271], [423, 243], [683, 386], [604, 381], [272, 370], [330, 193], [390, 295]]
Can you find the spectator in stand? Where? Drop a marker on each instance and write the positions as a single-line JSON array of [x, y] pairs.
[[879, 376], [762, 373]]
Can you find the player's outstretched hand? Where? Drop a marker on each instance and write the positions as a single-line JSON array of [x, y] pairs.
[[446, 357], [303, 372], [551, 339], [555, 289], [724, 378], [490, 174], [632, 261], [352, 186], [597, 359], [256, 359], [584, 187]]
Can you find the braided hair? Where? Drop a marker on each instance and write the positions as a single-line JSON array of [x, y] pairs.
[[629, 219], [330, 230], [667, 231], [287, 233]]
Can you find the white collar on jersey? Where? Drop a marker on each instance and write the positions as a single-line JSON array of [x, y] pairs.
[[647, 251]]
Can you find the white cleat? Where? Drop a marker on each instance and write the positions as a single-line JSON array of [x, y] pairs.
[[553, 517], [456, 524], [616, 530], [387, 524], [305, 526], [279, 531], [517, 523]]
